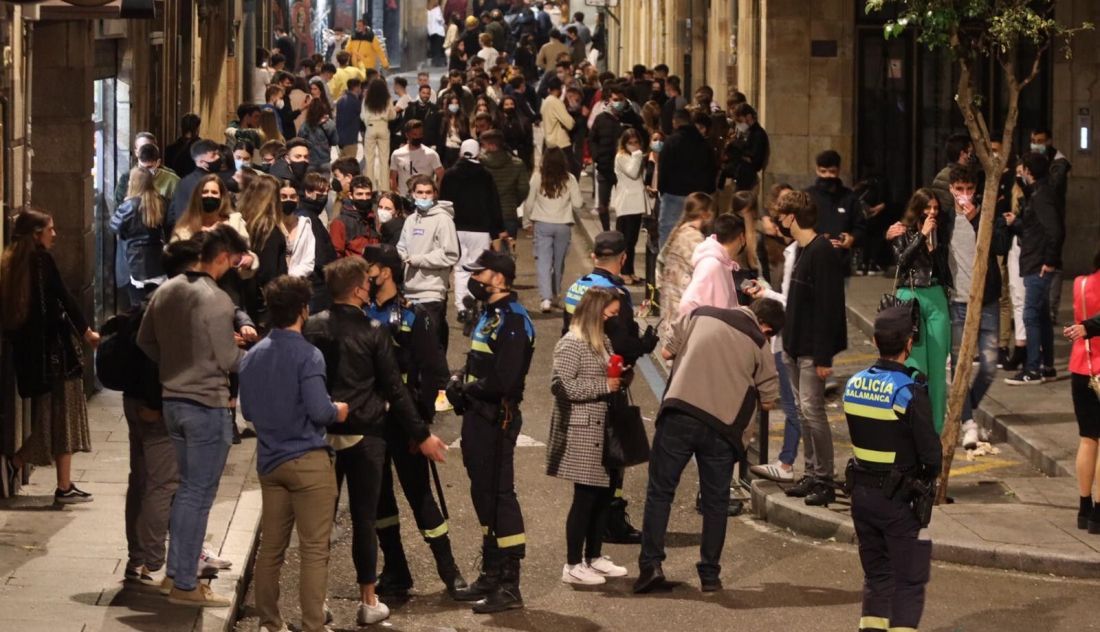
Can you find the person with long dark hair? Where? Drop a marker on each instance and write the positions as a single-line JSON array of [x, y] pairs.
[[551, 200], [454, 127], [45, 327], [581, 391], [377, 113], [319, 132], [922, 272]]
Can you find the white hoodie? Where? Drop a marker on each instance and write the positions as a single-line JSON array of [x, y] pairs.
[[712, 282], [429, 248]]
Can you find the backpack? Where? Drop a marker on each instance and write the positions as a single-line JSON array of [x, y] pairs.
[[118, 360]]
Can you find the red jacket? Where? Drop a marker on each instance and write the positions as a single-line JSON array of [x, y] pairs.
[[1090, 298]]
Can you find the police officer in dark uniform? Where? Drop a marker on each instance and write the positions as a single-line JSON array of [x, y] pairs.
[[891, 479], [488, 397], [424, 370], [609, 254]]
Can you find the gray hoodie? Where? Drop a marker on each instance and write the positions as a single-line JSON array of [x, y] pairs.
[[429, 248]]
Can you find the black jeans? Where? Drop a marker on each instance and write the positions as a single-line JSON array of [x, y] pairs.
[[630, 226], [438, 311], [585, 524], [361, 465], [679, 437], [604, 183]]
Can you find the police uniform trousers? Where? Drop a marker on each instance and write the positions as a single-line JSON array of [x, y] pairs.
[[493, 477], [413, 472], [895, 563]]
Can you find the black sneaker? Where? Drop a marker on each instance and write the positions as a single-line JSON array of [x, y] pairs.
[[802, 488], [71, 496], [823, 493], [1024, 378], [1002, 357], [1048, 373]]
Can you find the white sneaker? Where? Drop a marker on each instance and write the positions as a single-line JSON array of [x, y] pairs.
[[545, 306], [773, 472], [369, 614], [442, 404], [582, 575], [604, 566], [208, 558], [970, 434]]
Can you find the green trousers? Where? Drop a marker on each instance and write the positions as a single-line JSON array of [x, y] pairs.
[[930, 353]]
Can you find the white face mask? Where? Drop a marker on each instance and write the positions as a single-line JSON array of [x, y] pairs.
[[279, 104], [742, 127], [384, 215]]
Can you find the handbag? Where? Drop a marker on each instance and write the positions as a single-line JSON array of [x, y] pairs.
[[1094, 379], [625, 440], [891, 299], [64, 358]]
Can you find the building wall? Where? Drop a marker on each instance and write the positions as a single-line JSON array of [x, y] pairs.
[[1077, 87]]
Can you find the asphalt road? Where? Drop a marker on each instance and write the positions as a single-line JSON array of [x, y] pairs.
[[774, 580]]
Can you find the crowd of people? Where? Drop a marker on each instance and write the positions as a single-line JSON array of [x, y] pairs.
[[259, 266]]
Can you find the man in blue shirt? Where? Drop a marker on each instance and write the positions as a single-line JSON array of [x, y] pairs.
[[283, 392]]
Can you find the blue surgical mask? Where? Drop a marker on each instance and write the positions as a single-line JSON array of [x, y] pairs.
[[453, 108], [1038, 148], [239, 163], [618, 105], [424, 205], [657, 146]]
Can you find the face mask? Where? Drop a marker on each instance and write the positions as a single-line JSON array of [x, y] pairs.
[[424, 205], [478, 290], [299, 169], [657, 146], [830, 184], [783, 230], [153, 171], [289, 206], [214, 165], [742, 127], [618, 106], [453, 108], [1020, 181], [1038, 148], [211, 204], [374, 286], [279, 104], [414, 142], [509, 111], [384, 215], [316, 205], [239, 163], [363, 206], [335, 184]]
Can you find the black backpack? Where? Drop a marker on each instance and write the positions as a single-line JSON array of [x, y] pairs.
[[118, 360]]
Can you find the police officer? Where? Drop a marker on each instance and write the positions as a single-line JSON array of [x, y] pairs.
[[609, 255], [896, 451], [424, 370], [488, 398]]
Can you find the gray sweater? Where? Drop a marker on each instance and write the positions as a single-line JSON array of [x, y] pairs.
[[188, 331]]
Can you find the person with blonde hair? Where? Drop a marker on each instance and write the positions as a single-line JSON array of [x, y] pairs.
[[581, 391], [674, 266], [43, 323], [139, 224]]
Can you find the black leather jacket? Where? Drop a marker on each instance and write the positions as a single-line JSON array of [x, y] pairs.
[[362, 370], [917, 267]]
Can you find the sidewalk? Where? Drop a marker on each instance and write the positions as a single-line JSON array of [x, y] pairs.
[[61, 568], [1025, 521]]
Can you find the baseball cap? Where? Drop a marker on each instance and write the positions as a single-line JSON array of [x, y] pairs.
[[609, 242], [386, 256], [469, 149], [894, 324], [495, 261]]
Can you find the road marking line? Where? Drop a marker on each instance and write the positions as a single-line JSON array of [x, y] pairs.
[[522, 441], [984, 466]]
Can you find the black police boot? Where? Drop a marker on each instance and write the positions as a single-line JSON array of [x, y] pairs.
[[485, 584], [1094, 520], [395, 580], [506, 596], [445, 565], [802, 488], [619, 530], [822, 494]]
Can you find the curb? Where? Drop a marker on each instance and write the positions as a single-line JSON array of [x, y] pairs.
[[770, 504], [990, 414], [241, 541]]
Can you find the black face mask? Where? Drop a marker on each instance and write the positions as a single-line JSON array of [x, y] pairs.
[[414, 142], [783, 230], [211, 204], [316, 205], [289, 206], [363, 206], [478, 290], [299, 169], [374, 288], [830, 184], [214, 166], [1023, 183], [336, 186]]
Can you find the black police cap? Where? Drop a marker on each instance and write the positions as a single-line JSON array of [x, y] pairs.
[[894, 323], [495, 261], [609, 243]]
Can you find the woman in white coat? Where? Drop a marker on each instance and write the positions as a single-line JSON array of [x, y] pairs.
[[629, 199]]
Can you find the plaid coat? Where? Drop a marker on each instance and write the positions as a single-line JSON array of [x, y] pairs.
[[579, 383]]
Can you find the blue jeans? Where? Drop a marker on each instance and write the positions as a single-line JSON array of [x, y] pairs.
[[792, 426], [1037, 323], [989, 331], [551, 245], [202, 437], [672, 207], [678, 438]]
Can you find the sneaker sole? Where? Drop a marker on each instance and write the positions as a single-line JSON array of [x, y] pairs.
[[198, 604], [72, 501], [624, 573]]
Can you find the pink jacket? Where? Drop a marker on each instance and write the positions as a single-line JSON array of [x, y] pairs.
[[712, 281]]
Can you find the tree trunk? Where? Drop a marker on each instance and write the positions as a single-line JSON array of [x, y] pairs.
[[993, 168]]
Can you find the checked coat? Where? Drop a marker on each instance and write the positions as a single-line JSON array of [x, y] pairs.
[[579, 384]]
